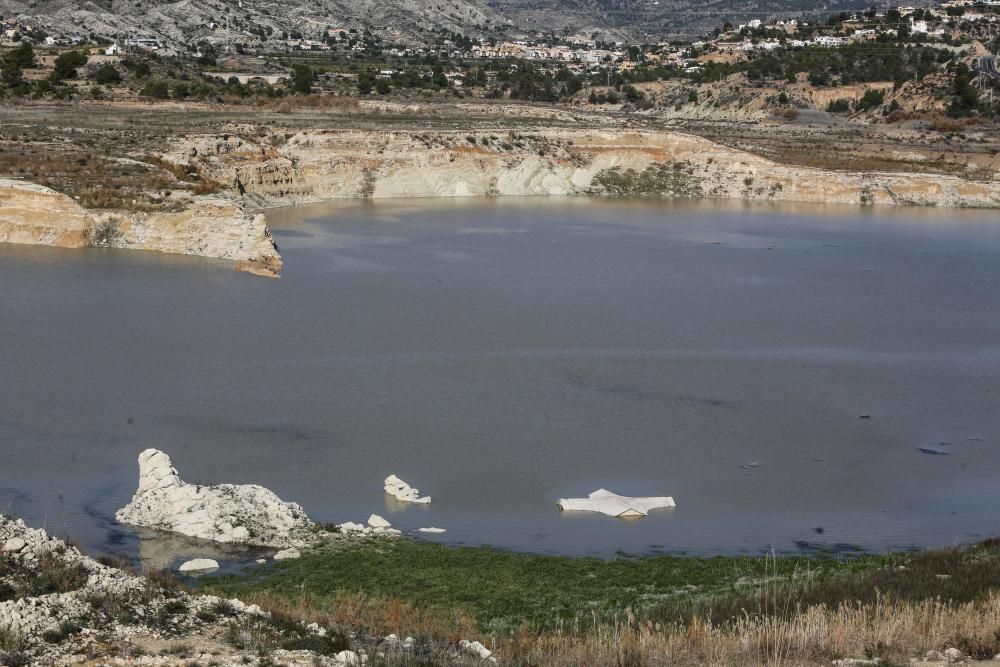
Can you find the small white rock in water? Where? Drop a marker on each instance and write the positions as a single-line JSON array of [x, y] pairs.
[[199, 565], [432, 529], [612, 504], [375, 521], [287, 554], [260, 561], [402, 491]]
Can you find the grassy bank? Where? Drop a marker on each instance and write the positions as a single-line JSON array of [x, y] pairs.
[[737, 610]]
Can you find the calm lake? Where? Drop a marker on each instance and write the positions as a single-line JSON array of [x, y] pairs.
[[500, 355]]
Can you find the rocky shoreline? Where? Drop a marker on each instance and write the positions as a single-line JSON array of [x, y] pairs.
[[260, 168], [61, 607]]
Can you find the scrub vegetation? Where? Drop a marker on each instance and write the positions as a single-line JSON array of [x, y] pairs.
[[674, 179], [729, 610]]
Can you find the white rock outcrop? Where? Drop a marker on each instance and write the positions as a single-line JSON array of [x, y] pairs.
[[612, 504], [402, 491], [375, 521], [240, 513], [288, 554]]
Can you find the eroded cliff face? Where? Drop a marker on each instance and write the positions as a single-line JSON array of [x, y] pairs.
[[279, 168], [206, 226]]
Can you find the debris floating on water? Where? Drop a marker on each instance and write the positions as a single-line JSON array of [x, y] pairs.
[[612, 504], [750, 466], [936, 450], [432, 529]]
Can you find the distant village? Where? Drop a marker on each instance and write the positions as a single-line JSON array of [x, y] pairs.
[[942, 22]]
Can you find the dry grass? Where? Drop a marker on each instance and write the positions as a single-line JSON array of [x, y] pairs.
[[326, 102], [892, 631], [835, 159], [368, 615], [95, 182]]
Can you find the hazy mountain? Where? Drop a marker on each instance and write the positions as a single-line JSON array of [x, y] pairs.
[[254, 21]]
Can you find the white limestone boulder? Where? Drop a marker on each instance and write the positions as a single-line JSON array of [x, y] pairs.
[[14, 544], [287, 554], [235, 513], [431, 529], [375, 521], [402, 491], [200, 565], [612, 504], [476, 649]]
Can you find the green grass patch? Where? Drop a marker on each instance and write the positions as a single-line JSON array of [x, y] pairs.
[[504, 591]]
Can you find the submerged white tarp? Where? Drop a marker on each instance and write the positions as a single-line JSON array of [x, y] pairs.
[[612, 504]]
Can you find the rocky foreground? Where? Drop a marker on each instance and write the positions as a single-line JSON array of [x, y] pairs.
[[60, 607]]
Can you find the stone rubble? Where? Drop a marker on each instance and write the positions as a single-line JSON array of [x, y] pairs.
[[246, 513], [402, 491]]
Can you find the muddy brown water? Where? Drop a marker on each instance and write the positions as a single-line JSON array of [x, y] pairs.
[[500, 355]]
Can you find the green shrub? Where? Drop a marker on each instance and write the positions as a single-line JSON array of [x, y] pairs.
[[107, 74], [842, 105], [871, 98], [66, 65], [156, 89]]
